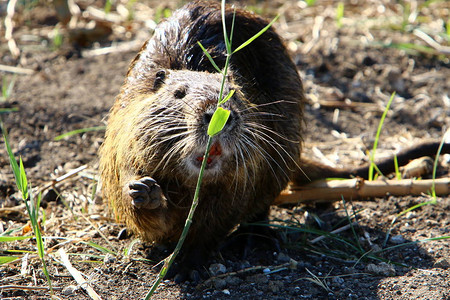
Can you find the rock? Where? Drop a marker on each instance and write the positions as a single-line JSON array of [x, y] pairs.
[[123, 234], [283, 258], [109, 259], [397, 239], [50, 195], [338, 281], [442, 263], [219, 283], [69, 290], [258, 279], [276, 286], [217, 269], [233, 280], [382, 269]]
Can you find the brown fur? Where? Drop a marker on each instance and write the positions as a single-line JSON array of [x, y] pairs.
[[264, 137], [157, 128]]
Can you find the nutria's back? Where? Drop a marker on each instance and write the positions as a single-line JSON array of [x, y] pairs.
[[156, 130]]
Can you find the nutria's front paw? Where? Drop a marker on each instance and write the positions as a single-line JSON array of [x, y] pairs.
[[145, 193]]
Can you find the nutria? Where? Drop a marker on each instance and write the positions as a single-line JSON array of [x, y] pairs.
[[157, 131]]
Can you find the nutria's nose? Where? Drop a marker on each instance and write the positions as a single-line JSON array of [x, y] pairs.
[[207, 116]]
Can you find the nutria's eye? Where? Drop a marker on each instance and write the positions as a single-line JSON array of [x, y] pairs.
[[159, 79], [180, 93]]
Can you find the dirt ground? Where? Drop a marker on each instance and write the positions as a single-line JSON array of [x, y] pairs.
[[349, 72]]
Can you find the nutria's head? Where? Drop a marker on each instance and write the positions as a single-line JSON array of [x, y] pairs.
[[173, 122]]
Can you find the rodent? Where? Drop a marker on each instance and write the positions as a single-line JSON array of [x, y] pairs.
[[157, 130]]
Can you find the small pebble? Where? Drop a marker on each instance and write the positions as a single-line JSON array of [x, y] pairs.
[[283, 258], [442, 263], [382, 269], [220, 283], [69, 290], [109, 259], [397, 239], [337, 280], [123, 234], [50, 195], [233, 280], [217, 269]]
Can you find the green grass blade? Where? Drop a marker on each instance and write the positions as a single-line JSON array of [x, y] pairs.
[[232, 29], [78, 131], [230, 94], [413, 49], [23, 180], [413, 242], [375, 144], [211, 60], [225, 34], [339, 14], [436, 160], [256, 35], [100, 248], [7, 259], [8, 110], [13, 238], [398, 175], [12, 160]]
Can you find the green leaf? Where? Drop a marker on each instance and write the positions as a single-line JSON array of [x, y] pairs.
[[377, 137], [23, 180], [210, 58], [339, 14], [256, 35], [7, 259], [225, 35], [13, 238], [77, 131], [230, 94], [12, 159], [100, 248], [8, 110], [218, 121]]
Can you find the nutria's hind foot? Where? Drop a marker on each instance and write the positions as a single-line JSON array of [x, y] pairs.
[[189, 267], [145, 193], [249, 237]]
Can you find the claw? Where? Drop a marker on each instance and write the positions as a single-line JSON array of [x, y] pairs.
[[145, 193]]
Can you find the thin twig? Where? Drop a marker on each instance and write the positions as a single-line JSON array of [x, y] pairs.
[[430, 41], [122, 47], [63, 177], [77, 275], [26, 287], [16, 70], [343, 228]]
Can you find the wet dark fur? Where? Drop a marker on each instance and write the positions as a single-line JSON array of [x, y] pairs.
[[158, 120]]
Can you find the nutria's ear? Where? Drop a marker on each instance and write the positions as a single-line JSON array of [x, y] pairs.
[[159, 79]]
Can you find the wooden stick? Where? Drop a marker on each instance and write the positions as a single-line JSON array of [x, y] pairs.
[[77, 275], [16, 70], [26, 287], [358, 188], [122, 47]]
